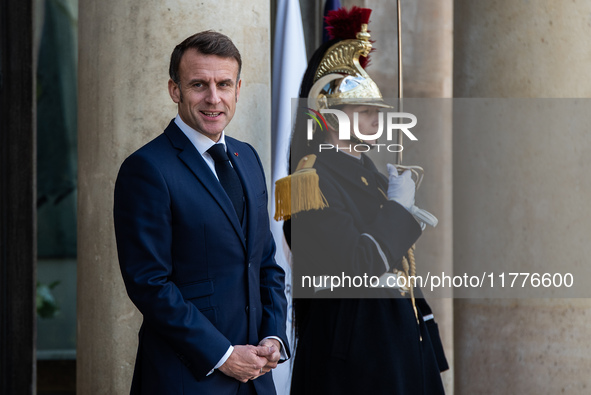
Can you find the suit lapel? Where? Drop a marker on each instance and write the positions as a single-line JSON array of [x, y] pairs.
[[195, 162], [237, 157]]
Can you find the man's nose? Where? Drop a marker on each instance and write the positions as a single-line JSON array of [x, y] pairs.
[[212, 96], [376, 119]]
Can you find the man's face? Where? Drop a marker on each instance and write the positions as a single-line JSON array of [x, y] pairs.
[[368, 119], [207, 92]]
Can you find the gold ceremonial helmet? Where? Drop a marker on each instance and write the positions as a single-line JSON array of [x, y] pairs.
[[340, 79]]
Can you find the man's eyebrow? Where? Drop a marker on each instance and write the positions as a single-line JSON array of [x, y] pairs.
[[229, 81], [196, 80]]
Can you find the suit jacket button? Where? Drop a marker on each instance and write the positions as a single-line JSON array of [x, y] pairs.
[[247, 309]]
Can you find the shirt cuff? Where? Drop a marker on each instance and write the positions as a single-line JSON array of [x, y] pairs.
[[283, 356], [223, 360]]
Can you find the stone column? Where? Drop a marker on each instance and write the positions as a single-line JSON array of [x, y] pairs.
[[506, 48], [124, 50]]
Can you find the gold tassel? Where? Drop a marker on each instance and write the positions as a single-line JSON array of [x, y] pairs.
[[283, 198], [299, 191]]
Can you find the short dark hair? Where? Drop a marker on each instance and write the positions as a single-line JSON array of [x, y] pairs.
[[208, 43]]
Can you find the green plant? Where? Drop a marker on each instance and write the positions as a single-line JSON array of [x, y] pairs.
[[46, 304]]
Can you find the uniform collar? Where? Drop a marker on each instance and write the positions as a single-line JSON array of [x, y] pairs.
[[362, 173]]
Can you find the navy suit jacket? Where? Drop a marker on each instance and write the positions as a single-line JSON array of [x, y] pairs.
[[201, 281]]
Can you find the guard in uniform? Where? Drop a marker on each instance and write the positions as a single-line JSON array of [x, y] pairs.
[[343, 216]]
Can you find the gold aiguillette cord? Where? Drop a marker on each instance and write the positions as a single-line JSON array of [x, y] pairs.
[[412, 268], [411, 272]]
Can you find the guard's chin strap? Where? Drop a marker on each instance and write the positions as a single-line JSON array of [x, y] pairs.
[[356, 140]]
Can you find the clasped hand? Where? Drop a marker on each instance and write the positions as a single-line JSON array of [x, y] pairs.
[[249, 362]]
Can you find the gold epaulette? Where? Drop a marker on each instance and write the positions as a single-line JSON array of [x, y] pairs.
[[299, 191]]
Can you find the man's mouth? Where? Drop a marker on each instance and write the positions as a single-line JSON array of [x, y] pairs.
[[211, 114]]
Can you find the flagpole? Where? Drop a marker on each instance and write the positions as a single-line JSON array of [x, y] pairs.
[[399, 132]]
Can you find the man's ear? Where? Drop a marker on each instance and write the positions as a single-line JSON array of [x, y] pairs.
[[238, 85], [173, 91]]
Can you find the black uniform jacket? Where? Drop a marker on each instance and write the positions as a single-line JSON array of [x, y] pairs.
[[358, 340]]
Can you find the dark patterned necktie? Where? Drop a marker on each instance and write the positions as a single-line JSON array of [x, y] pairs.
[[228, 178]]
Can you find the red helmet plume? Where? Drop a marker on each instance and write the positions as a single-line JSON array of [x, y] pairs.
[[344, 24]]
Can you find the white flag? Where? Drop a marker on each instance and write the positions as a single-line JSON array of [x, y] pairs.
[[289, 65]]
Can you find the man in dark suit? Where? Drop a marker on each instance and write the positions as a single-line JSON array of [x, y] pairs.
[[194, 244]]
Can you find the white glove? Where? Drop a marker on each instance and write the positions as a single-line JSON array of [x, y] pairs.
[[423, 217], [401, 188]]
